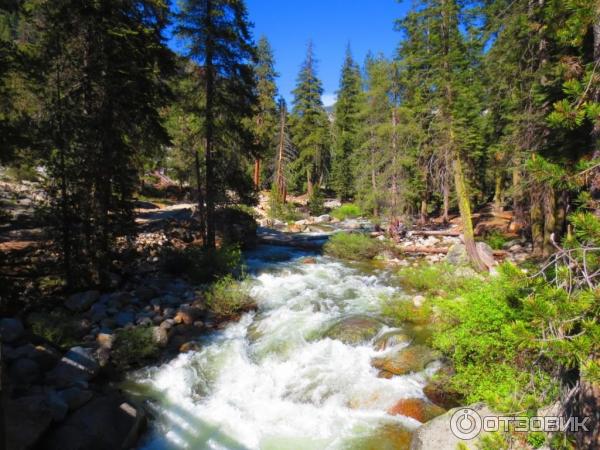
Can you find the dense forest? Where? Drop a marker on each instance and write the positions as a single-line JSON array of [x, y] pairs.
[[486, 105]]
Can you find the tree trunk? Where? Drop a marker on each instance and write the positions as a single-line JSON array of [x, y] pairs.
[[549, 220], [394, 173], [446, 199], [309, 184], [200, 197], [464, 207], [209, 129], [537, 224], [423, 212], [498, 194], [257, 174]]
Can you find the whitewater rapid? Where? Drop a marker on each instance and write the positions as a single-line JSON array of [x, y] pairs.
[[271, 380]]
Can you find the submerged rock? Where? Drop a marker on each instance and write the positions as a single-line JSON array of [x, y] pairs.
[[354, 330], [390, 339], [416, 408], [387, 437], [406, 360]]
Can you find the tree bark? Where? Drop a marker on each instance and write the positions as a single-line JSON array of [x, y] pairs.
[[498, 194], [549, 206], [537, 224], [200, 197], [446, 199], [209, 89], [257, 174], [464, 207]]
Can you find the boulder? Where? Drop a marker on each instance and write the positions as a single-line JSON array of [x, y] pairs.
[[57, 406], [105, 340], [437, 435], [486, 253], [79, 364], [11, 330], [457, 255], [409, 359], [104, 422], [160, 336], [125, 318], [416, 408], [418, 300], [75, 397], [187, 316], [82, 301], [391, 338], [98, 312], [324, 218], [26, 420], [24, 371], [354, 330]]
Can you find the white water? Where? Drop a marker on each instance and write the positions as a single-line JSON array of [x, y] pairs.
[[269, 381]]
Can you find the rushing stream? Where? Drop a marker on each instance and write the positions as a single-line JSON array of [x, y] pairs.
[[272, 380]]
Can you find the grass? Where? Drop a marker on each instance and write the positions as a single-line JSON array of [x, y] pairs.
[[228, 297], [434, 279], [347, 211], [133, 347], [57, 326], [352, 246]]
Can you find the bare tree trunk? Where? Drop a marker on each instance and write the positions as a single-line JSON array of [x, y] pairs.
[[200, 197], [209, 91], [374, 182], [394, 173], [280, 179], [549, 206], [257, 174], [465, 213], [537, 223], [309, 184], [446, 199], [498, 194]]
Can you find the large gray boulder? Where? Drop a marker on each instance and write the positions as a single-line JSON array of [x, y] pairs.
[[79, 364], [82, 301], [107, 422], [10, 330], [437, 434], [457, 255], [26, 420]]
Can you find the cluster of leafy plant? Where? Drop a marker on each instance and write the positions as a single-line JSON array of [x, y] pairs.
[[202, 265], [133, 347], [346, 211], [352, 246], [495, 239], [229, 297], [280, 210], [57, 326], [435, 279]]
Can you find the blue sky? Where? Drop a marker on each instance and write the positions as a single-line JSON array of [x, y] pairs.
[[331, 24]]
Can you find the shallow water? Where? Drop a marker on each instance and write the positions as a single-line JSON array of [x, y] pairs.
[[271, 381]]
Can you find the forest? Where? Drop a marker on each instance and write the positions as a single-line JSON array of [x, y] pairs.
[[140, 184]]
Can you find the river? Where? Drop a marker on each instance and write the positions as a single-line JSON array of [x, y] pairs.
[[273, 380]]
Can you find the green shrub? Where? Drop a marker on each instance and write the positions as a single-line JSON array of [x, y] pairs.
[[22, 173], [228, 297], [495, 239], [434, 279], [536, 439], [316, 203], [281, 211], [402, 310], [202, 265], [57, 326], [133, 347], [346, 211], [353, 246]]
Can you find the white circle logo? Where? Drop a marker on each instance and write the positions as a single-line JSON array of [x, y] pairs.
[[465, 424]]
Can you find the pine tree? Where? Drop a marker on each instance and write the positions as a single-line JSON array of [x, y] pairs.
[[218, 36], [310, 128], [346, 128], [266, 118], [102, 89]]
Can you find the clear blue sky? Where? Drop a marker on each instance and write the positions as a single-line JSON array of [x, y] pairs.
[[331, 24]]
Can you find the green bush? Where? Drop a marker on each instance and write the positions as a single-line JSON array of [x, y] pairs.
[[133, 347], [22, 173], [57, 326], [495, 239], [434, 279], [347, 211], [201, 265], [281, 211], [353, 246], [316, 203], [228, 297]]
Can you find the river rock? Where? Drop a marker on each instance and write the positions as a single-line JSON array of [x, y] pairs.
[[11, 330], [457, 255], [24, 371], [105, 340], [405, 360], [57, 406], [354, 330], [437, 435], [125, 318], [324, 218], [160, 336], [26, 420], [418, 300], [104, 422], [82, 301], [390, 436], [75, 397], [98, 312], [486, 253], [391, 338], [79, 364], [416, 408]]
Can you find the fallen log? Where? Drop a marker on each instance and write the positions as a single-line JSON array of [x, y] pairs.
[[454, 233], [440, 250]]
